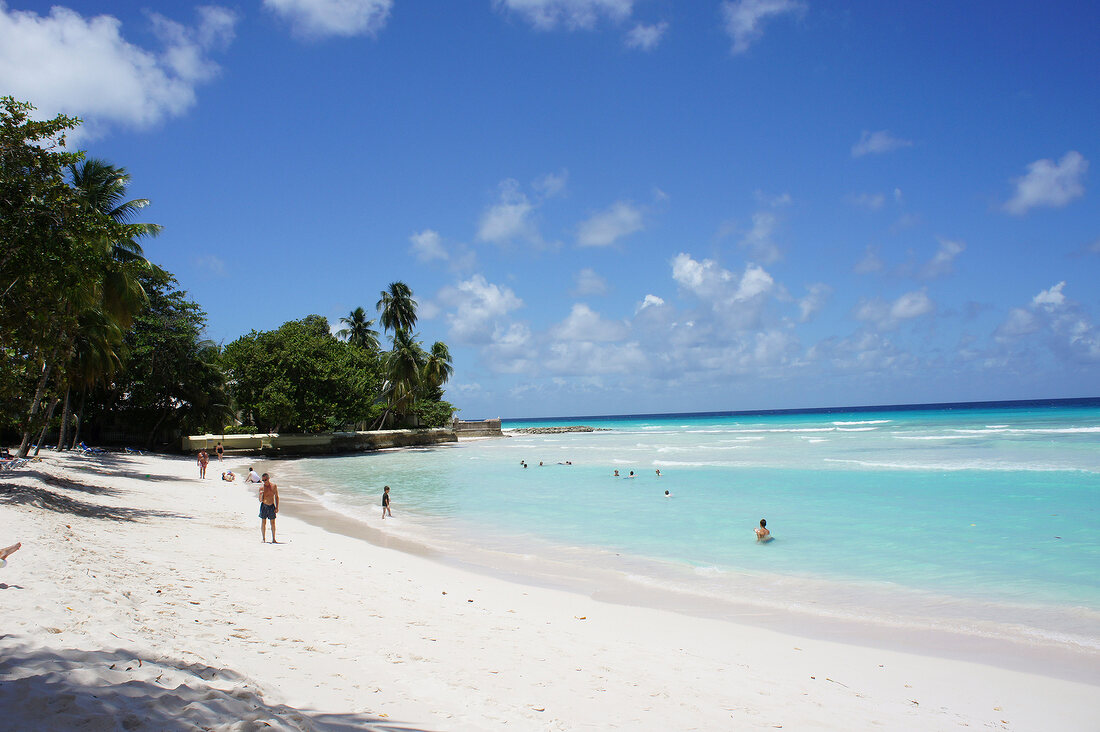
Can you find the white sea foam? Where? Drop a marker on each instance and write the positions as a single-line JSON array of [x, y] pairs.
[[864, 421]]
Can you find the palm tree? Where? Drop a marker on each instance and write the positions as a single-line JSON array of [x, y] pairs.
[[398, 308], [358, 331], [437, 367], [403, 367]]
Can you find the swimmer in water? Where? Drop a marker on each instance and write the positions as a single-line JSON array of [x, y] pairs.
[[762, 533]]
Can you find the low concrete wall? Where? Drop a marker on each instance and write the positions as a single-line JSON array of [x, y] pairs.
[[483, 428], [324, 444]]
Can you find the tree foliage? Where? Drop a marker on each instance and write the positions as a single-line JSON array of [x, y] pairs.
[[301, 378]]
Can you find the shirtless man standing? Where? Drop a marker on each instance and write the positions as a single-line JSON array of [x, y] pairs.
[[269, 507]]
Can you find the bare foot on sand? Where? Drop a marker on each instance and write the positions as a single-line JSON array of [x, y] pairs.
[[9, 550]]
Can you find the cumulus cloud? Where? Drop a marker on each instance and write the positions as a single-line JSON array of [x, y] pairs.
[[759, 239], [649, 301], [709, 281], [1050, 184], [607, 227], [888, 315], [585, 324], [815, 299], [428, 245], [325, 18], [66, 63], [570, 14], [1052, 298], [588, 282], [876, 143], [943, 261], [509, 218], [645, 37], [551, 184], [744, 19], [477, 309]]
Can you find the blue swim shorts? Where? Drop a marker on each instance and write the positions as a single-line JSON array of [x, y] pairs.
[[267, 511]]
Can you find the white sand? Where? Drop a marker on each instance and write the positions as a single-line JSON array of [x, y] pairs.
[[145, 600]]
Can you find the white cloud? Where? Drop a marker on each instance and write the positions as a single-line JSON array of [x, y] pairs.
[[871, 262], [871, 201], [744, 19], [606, 227], [645, 37], [877, 143], [759, 238], [212, 263], [585, 324], [324, 18], [887, 315], [943, 262], [551, 184], [1019, 323], [1052, 298], [815, 299], [649, 301], [509, 218], [572, 14], [478, 308], [428, 245], [66, 63], [1047, 183], [737, 301], [587, 282]]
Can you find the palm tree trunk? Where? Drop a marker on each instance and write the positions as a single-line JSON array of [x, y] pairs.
[[46, 425], [153, 432], [65, 412], [79, 418], [46, 369]]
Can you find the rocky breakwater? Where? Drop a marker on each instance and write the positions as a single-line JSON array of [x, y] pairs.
[[557, 430]]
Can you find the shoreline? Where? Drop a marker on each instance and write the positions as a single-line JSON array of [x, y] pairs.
[[615, 586], [135, 575]]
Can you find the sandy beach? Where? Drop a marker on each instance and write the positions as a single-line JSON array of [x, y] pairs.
[[143, 598]]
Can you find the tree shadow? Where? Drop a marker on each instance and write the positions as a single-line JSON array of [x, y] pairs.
[[120, 689], [28, 495], [117, 466]]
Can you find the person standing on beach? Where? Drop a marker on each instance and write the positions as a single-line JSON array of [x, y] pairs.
[[204, 460], [386, 501], [219, 450], [269, 507]]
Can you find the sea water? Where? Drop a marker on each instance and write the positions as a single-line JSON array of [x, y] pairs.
[[974, 518]]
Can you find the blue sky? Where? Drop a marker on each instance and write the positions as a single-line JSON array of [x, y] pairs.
[[619, 206]]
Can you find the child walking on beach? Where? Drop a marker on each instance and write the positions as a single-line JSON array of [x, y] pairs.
[[386, 502]]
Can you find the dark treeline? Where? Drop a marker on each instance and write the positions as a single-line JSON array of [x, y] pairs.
[[99, 344]]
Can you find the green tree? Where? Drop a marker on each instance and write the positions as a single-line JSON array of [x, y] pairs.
[[358, 331], [300, 378], [398, 308], [171, 378]]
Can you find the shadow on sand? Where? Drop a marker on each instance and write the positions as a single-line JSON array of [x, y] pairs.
[[70, 688], [29, 495]]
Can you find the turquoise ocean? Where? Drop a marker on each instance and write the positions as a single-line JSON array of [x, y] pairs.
[[981, 519]]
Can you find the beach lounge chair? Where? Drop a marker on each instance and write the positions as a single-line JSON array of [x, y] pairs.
[[85, 450], [134, 451]]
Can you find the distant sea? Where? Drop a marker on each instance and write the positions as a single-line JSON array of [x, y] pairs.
[[982, 518]]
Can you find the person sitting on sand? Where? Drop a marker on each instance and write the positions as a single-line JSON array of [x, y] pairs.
[[269, 507], [762, 533], [386, 501], [253, 476], [8, 551], [229, 476]]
